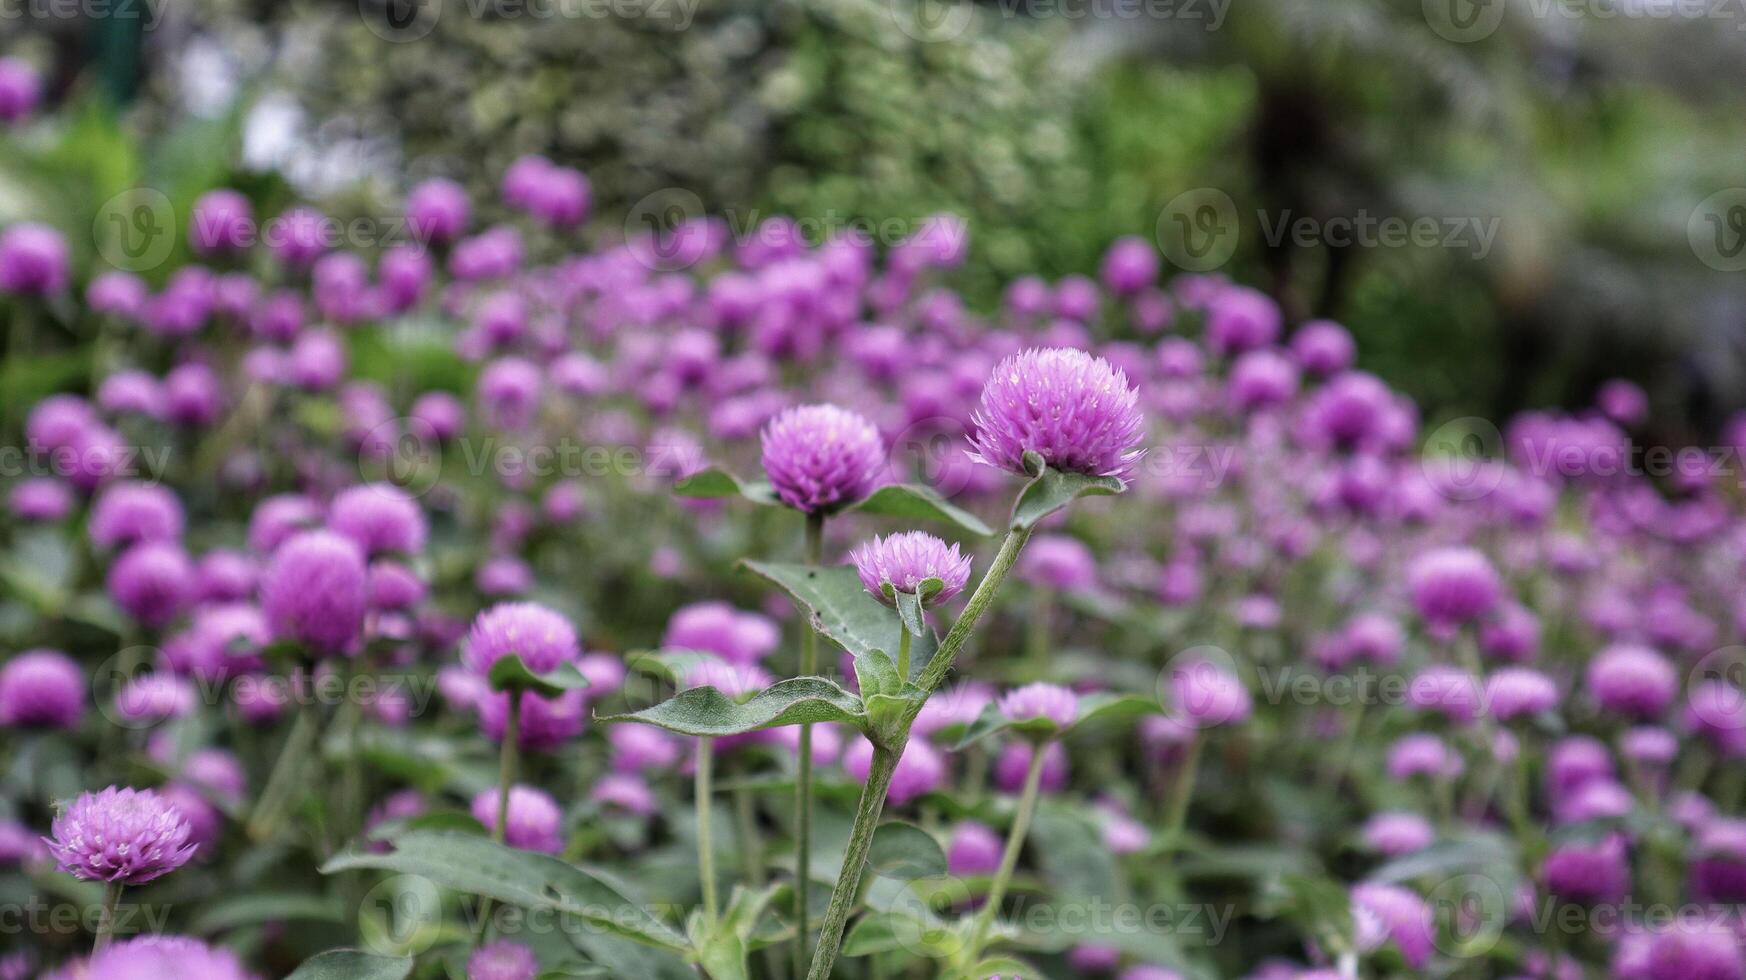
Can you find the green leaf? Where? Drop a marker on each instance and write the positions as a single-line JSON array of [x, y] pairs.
[[254, 909], [1052, 490], [909, 612], [511, 673], [905, 852], [352, 964], [480, 866], [705, 711], [922, 503], [843, 610], [876, 674], [672, 665], [716, 483]]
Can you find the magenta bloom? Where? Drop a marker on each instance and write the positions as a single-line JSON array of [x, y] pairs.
[[974, 850], [1050, 702], [378, 517], [277, 518], [535, 821], [33, 260], [151, 698], [542, 724], [437, 210], [1589, 873], [1074, 410], [544, 639], [1453, 586], [1059, 562], [222, 221], [19, 90], [128, 513], [40, 499], [41, 689], [1634, 681], [718, 628], [502, 960], [1205, 695], [315, 590], [163, 958], [907, 559], [1390, 913], [120, 835], [1517, 691], [1395, 833], [920, 769], [152, 582], [821, 457]]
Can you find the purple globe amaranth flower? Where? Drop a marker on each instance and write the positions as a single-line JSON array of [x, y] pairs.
[[298, 237], [1395, 833], [717, 627], [378, 517], [639, 748], [544, 639], [315, 591], [20, 88], [41, 689], [1588, 873], [1050, 702], [438, 210], [128, 513], [508, 392], [821, 457], [152, 698], [920, 769], [222, 220], [395, 587], [1573, 763], [159, 958], [1323, 348], [152, 582], [1695, 947], [1390, 913], [502, 960], [1633, 681], [1129, 266], [277, 518], [1718, 868], [1513, 692], [905, 560], [536, 823], [504, 576], [1014, 761], [1423, 754], [542, 724], [1074, 410], [1059, 562], [40, 499], [1452, 587], [205, 821], [33, 260], [1204, 694], [125, 836], [975, 849]]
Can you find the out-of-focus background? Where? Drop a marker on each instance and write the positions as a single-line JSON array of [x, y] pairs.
[[1507, 201]]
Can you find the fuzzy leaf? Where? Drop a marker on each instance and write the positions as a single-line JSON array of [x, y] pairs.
[[922, 503], [511, 673], [705, 711], [1052, 490], [716, 483], [905, 852], [352, 964], [843, 610], [480, 866]]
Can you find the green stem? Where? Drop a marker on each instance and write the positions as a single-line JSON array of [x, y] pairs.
[[872, 803], [1015, 842], [264, 823], [705, 822], [1181, 792], [106, 924], [506, 765], [980, 600], [903, 653], [803, 776], [1037, 636]]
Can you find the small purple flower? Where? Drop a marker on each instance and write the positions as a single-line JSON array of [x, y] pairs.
[[1453, 586], [1206, 695], [1513, 692], [975, 849], [1633, 681], [1718, 871], [40, 499], [920, 769], [1073, 409], [1390, 913], [1423, 754], [379, 517], [1050, 702], [222, 220], [1323, 348], [437, 210], [298, 237], [1395, 833], [41, 689], [162, 958], [508, 392], [502, 960], [1588, 874], [639, 748], [278, 518], [718, 628], [542, 724], [821, 457], [129, 513], [152, 582], [33, 260], [120, 835], [542, 638], [536, 823], [905, 560], [1129, 266], [1011, 766], [20, 88], [315, 590], [1059, 562], [152, 698]]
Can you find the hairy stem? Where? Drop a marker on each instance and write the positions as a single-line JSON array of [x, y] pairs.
[[803, 778], [903, 654], [705, 826], [264, 822], [872, 803], [980, 600], [1015, 842], [106, 924]]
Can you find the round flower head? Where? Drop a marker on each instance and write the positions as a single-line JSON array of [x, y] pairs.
[[905, 560], [1204, 695], [19, 89], [162, 958], [1517, 691], [1423, 754], [151, 698], [1059, 562], [222, 221], [119, 835], [1697, 947], [821, 457], [717, 627], [1453, 586], [1587, 873], [152, 582], [535, 821], [314, 591], [128, 513], [1719, 872], [437, 210], [638, 748], [502, 960], [1396, 833], [1390, 913], [1014, 762], [1634, 681], [1075, 411], [974, 850], [1052, 702], [542, 638], [41, 689], [542, 724], [40, 498], [33, 260], [919, 770], [378, 517]]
